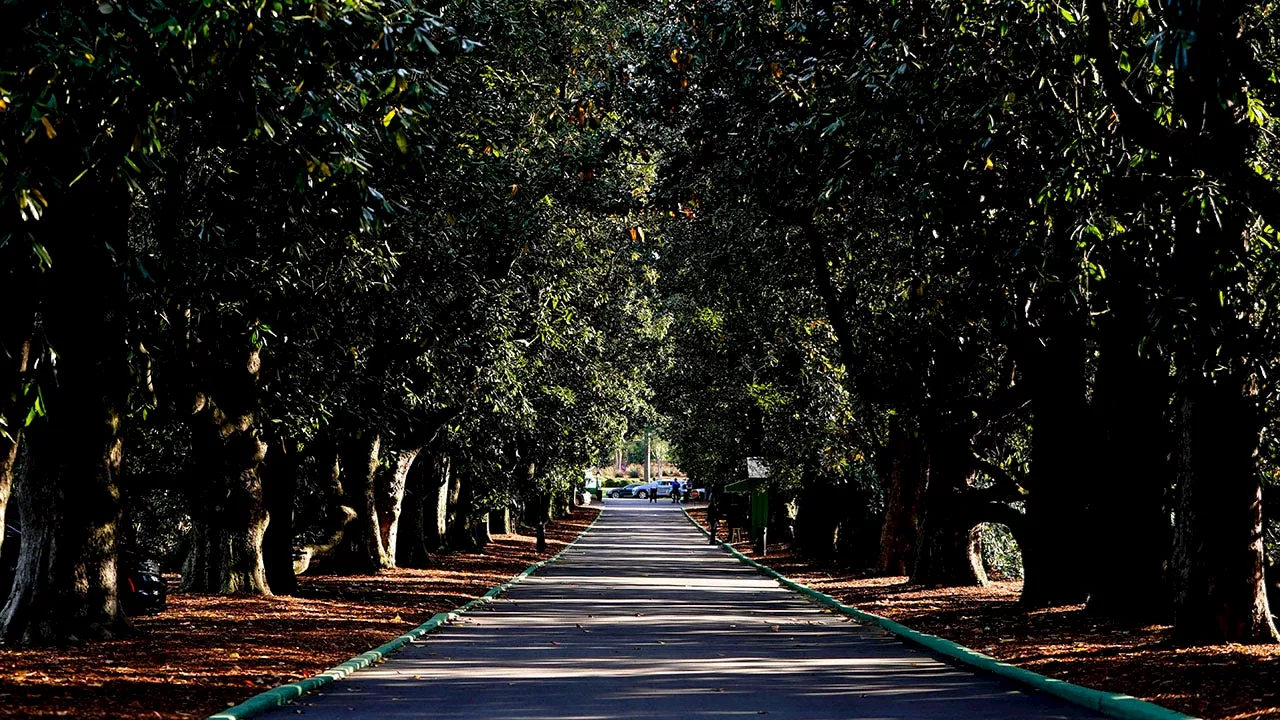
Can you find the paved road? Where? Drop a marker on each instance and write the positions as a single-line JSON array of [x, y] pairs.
[[642, 619]]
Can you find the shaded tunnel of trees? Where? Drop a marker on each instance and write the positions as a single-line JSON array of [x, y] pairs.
[[337, 286]]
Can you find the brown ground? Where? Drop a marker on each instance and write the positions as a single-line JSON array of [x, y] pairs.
[[1226, 682], [208, 652]]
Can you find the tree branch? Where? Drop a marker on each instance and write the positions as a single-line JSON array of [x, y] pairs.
[[827, 291], [1135, 122], [1008, 481], [1138, 125]]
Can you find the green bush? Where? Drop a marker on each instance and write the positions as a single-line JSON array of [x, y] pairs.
[[1001, 555]]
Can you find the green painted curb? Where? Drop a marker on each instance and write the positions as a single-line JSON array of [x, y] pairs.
[[285, 694], [1114, 705]]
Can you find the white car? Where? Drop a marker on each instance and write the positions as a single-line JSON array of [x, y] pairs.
[[661, 488]]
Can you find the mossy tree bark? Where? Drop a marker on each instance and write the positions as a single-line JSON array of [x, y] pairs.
[[228, 510]]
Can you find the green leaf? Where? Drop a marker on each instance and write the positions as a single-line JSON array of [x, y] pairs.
[[43, 253]]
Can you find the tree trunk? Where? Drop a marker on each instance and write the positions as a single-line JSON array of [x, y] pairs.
[[524, 475], [418, 511], [948, 551], [390, 498], [15, 347], [817, 521], [500, 521], [226, 553], [442, 489], [65, 587], [280, 473], [1054, 564], [362, 551], [69, 500], [423, 528], [782, 526], [337, 516], [459, 533], [904, 492], [861, 522], [228, 510], [1220, 595], [480, 531], [452, 500], [8, 465], [1217, 556], [1131, 398], [950, 557], [563, 504]]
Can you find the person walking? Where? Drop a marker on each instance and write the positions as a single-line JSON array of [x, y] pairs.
[[675, 491], [653, 493]]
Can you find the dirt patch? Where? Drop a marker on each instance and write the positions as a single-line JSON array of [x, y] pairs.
[[208, 652], [1218, 682]]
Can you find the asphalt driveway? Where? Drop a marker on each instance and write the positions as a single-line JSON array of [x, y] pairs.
[[642, 619]]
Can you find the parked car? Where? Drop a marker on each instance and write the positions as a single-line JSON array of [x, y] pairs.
[[142, 587], [661, 488], [627, 491]]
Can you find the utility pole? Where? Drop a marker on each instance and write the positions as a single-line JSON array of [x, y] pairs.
[[648, 454], [621, 455]]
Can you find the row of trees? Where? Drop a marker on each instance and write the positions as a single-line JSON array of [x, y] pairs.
[[329, 271], [1007, 261], [296, 282]]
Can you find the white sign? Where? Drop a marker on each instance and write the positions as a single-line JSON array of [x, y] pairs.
[[756, 469]]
